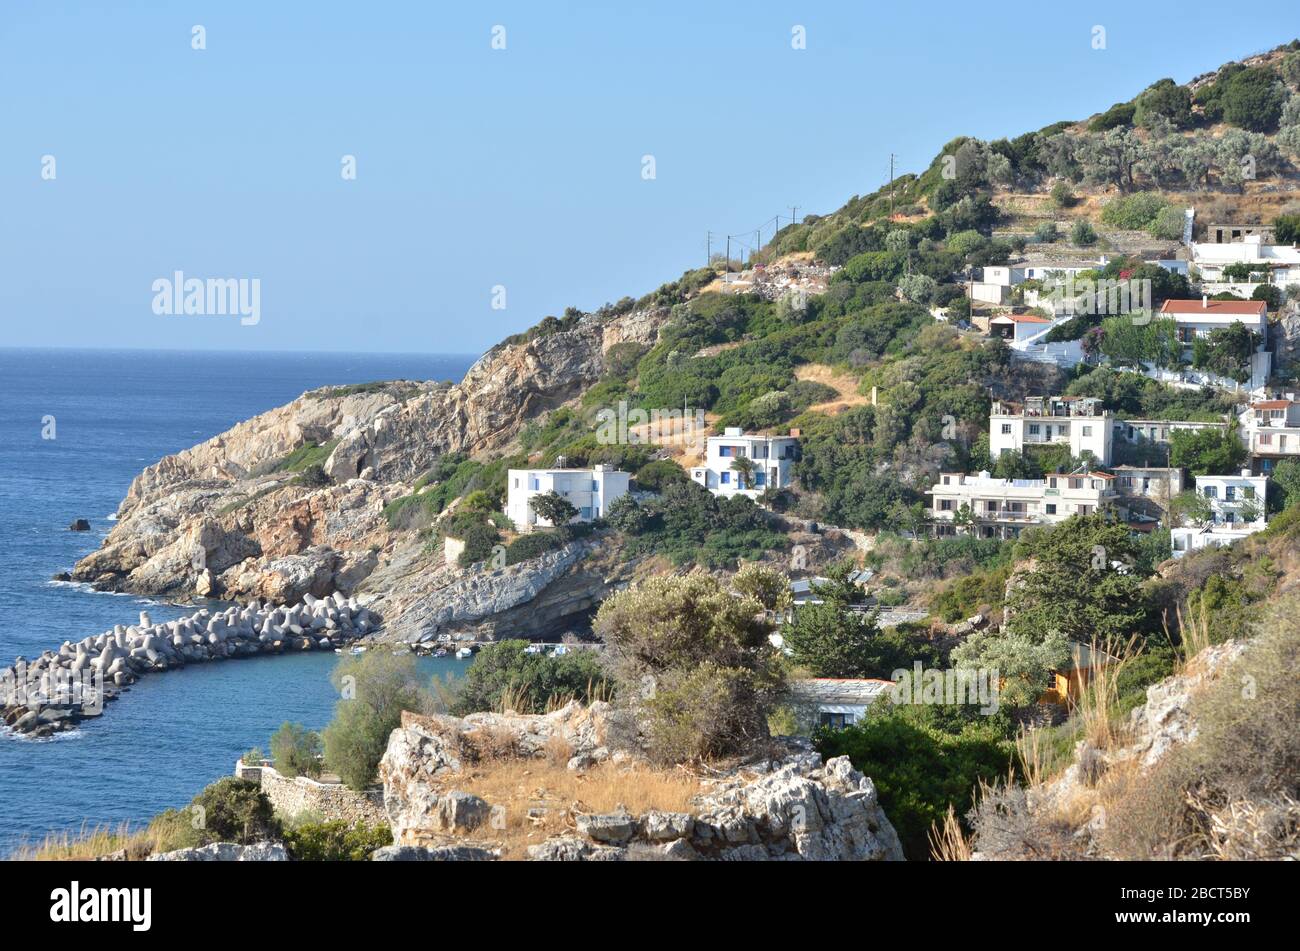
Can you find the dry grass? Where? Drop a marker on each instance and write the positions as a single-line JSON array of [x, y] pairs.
[[539, 797], [845, 384], [948, 843], [88, 844], [1096, 708]]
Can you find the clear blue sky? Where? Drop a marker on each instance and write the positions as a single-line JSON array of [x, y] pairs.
[[478, 167]]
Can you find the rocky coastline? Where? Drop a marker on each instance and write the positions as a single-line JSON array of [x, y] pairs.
[[54, 692]]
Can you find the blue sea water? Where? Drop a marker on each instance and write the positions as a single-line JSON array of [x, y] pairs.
[[116, 412]]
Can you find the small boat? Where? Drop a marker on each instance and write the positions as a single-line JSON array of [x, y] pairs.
[[464, 653], [440, 652]]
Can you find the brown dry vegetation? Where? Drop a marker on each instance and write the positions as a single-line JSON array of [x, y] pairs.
[[844, 383], [540, 796]]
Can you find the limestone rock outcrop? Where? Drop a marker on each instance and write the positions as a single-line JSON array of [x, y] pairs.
[[228, 519]]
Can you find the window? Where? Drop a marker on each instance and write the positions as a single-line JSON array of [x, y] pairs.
[[760, 477], [724, 451], [1034, 429], [1087, 431], [725, 479], [1248, 491], [595, 485], [516, 483], [945, 505], [835, 721], [1230, 493], [1211, 492], [1006, 429], [1051, 508], [1266, 439], [585, 512], [533, 483]]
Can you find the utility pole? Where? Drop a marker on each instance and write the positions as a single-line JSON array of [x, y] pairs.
[[794, 214], [727, 270], [892, 156], [708, 249]]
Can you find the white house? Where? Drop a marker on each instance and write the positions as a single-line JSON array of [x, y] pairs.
[[1199, 318], [831, 702], [1273, 263], [1196, 318], [1271, 431], [1079, 422], [1001, 508], [1154, 434], [1026, 335], [590, 491], [772, 458], [1236, 510], [1144, 492]]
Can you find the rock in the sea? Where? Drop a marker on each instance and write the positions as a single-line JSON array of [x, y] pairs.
[[226, 852], [79, 525]]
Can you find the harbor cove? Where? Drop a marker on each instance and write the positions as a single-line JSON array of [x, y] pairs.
[[169, 734]]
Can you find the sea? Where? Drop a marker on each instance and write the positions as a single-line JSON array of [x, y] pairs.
[[76, 426]]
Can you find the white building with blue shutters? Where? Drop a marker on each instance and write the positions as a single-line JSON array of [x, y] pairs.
[[590, 491], [771, 459]]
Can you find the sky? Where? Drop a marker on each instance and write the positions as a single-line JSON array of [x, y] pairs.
[[127, 154]]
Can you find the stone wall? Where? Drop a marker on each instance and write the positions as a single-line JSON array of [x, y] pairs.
[[328, 800]]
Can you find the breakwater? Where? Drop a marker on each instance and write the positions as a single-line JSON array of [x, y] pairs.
[[59, 689]]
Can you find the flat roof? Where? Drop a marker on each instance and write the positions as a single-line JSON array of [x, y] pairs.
[[1214, 307]]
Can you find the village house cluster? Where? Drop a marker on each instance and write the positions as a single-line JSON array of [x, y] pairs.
[[1140, 493]]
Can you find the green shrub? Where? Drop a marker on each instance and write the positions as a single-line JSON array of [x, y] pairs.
[[504, 674], [919, 770], [335, 841], [529, 546], [295, 750], [376, 687], [228, 810]]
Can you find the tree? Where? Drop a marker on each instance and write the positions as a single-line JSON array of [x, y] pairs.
[[1022, 661], [1225, 351], [1253, 99], [769, 588], [743, 467], [832, 640], [1083, 234], [1286, 229], [295, 750], [918, 288], [964, 518], [1073, 585], [505, 674], [554, 508], [1209, 451], [376, 687], [1286, 479], [695, 661], [1165, 99], [1190, 508]]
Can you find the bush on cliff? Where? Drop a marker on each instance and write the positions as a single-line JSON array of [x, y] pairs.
[[335, 841], [295, 750], [376, 687], [228, 810], [695, 662], [503, 675], [531, 545]]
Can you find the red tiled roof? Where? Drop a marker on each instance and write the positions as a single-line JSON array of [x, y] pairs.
[[1271, 404], [1213, 307], [1023, 319]]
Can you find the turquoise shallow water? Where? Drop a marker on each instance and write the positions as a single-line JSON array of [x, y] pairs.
[[115, 413]]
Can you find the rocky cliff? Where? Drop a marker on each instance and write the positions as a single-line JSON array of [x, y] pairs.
[[229, 518]]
